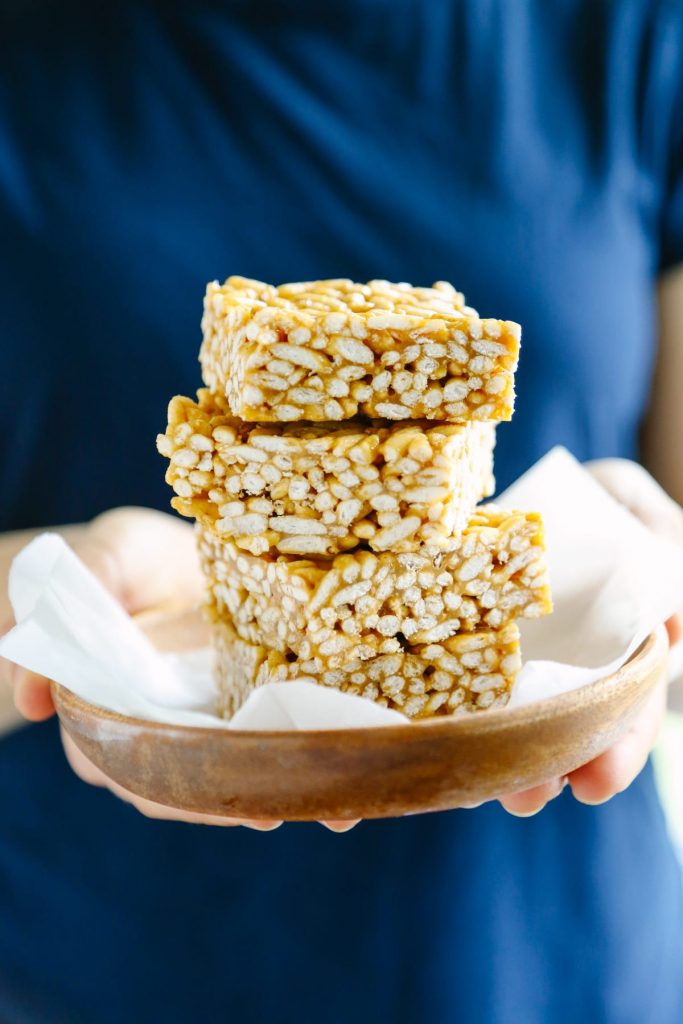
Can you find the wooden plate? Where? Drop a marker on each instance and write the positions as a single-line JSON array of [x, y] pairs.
[[364, 773]]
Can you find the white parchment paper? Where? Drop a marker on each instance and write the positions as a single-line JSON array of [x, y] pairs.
[[613, 580]]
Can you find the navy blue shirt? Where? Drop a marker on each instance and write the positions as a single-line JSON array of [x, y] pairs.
[[532, 154]]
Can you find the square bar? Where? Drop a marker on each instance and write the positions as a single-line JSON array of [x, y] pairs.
[[325, 488], [328, 350], [364, 604], [468, 672]]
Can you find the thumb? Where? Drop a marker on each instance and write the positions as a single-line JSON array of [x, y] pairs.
[[144, 557], [632, 485]]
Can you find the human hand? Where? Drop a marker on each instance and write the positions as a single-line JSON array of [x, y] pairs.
[[146, 559], [613, 771]]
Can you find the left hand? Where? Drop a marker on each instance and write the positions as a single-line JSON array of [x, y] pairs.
[[615, 770], [146, 559]]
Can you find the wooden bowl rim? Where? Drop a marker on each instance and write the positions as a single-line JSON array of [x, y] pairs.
[[642, 660]]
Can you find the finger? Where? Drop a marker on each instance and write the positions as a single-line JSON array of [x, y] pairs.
[[258, 824], [80, 764], [32, 697], [32, 694], [632, 485], [138, 541], [635, 488], [94, 776], [528, 802], [340, 825], [615, 770], [674, 628], [160, 812], [104, 563]]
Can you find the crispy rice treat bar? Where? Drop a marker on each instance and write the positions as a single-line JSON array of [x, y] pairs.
[[327, 350], [325, 488], [468, 672], [362, 604]]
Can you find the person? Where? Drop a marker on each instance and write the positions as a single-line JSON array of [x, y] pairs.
[[533, 155]]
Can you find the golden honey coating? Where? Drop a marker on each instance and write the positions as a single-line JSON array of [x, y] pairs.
[[329, 350], [468, 672], [361, 604], [325, 488]]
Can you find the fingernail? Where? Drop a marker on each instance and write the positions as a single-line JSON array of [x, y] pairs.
[[339, 829], [591, 803], [262, 826], [587, 802], [524, 814]]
